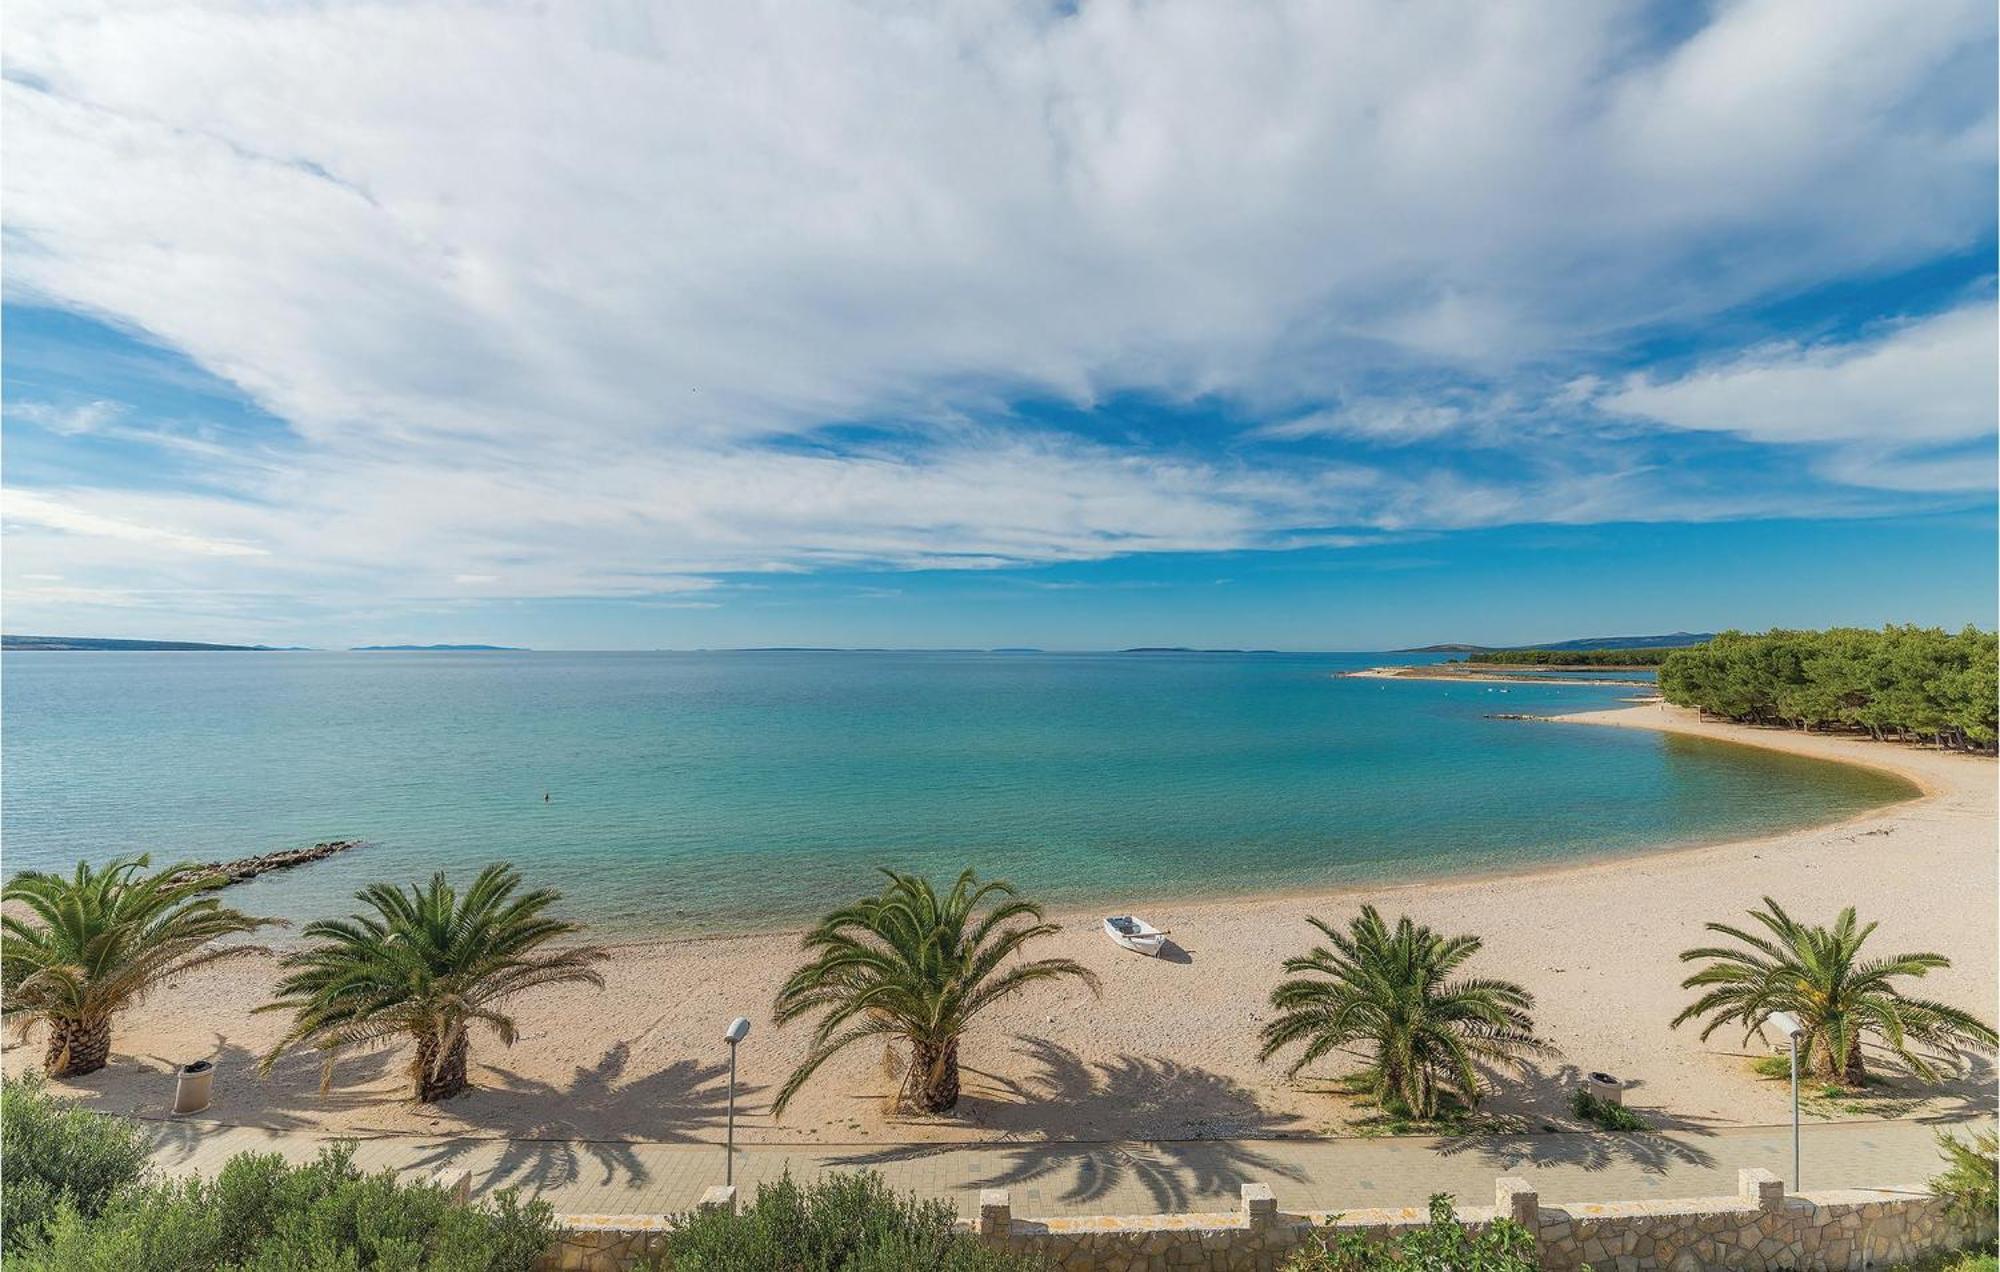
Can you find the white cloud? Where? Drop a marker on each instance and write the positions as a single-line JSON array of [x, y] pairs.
[[40, 509], [553, 295], [1876, 401], [70, 421]]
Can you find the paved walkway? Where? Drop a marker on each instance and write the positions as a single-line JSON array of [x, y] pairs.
[[600, 1177]]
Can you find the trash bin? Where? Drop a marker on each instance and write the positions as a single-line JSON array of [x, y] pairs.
[[1605, 1088], [191, 1089]]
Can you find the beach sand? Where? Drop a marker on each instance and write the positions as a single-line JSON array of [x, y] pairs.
[[1169, 1050]]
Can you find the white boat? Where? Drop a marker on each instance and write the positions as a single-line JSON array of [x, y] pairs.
[[1134, 934]]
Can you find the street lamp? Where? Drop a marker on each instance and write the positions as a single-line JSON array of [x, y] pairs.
[[738, 1030], [1788, 1024]]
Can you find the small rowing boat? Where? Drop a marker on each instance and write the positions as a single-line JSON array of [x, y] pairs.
[[1134, 934]]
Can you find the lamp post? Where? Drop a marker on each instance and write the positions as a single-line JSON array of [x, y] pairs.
[[1788, 1024], [738, 1030]]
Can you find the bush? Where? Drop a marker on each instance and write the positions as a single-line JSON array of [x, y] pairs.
[[58, 1153], [1442, 1245], [841, 1223], [263, 1213], [1970, 1184], [1604, 1114]]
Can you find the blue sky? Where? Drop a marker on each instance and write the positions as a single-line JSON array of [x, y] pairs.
[[709, 325]]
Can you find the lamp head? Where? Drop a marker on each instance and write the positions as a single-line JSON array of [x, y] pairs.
[[1785, 1023], [738, 1030]]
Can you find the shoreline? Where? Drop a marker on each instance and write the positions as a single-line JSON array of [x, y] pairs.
[[1482, 676], [1925, 786], [1168, 1052]]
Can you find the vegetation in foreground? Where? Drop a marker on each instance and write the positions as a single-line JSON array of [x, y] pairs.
[[1818, 975], [60, 1158], [79, 1199], [916, 967], [1391, 991], [1910, 683], [427, 966], [1970, 1181], [105, 939], [1443, 1243], [1603, 1114], [839, 1223]]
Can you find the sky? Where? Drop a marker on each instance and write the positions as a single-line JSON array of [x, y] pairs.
[[1079, 325]]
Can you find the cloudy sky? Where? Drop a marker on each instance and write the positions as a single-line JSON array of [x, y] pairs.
[[1308, 325]]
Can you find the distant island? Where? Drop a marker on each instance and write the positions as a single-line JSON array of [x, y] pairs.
[[104, 643], [1185, 649], [1674, 640], [438, 649]]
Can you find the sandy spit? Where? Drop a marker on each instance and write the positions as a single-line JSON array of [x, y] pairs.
[[1169, 1050]]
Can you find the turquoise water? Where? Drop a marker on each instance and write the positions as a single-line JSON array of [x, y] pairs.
[[730, 790]]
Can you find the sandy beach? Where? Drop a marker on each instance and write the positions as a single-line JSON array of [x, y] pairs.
[[1497, 674], [1169, 1050]]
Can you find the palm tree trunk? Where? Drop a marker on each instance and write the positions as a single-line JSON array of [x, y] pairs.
[[1824, 1063], [936, 1070], [77, 1047], [440, 1071], [1856, 1073]]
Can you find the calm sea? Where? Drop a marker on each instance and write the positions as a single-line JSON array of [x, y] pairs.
[[742, 789]]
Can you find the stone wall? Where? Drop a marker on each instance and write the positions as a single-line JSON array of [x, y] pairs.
[[1760, 1229]]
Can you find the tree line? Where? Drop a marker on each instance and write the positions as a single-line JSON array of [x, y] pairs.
[[1909, 683], [1572, 657]]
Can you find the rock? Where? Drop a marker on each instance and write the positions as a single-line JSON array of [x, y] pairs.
[[248, 868]]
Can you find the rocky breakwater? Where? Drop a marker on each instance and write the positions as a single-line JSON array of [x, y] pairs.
[[246, 868]]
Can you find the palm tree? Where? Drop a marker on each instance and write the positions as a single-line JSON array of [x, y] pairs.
[[1817, 974], [1389, 992], [912, 965], [427, 966], [104, 940]]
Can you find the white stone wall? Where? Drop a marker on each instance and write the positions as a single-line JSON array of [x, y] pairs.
[[1760, 1229]]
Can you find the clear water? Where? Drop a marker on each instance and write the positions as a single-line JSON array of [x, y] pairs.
[[737, 790]]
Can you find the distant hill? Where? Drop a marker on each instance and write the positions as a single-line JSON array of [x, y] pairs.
[[107, 643], [1678, 640], [438, 649]]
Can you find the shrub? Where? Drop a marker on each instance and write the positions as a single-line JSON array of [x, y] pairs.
[[1604, 1114], [260, 1212], [60, 1154], [841, 1223], [1970, 1184], [1442, 1245]]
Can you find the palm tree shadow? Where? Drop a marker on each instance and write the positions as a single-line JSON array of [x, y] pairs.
[[1116, 1103], [287, 1099], [546, 1130], [1961, 1098], [1654, 1151]]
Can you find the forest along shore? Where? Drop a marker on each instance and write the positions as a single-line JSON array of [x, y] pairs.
[[1170, 1050]]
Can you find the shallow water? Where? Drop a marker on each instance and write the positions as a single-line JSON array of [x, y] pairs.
[[740, 789]]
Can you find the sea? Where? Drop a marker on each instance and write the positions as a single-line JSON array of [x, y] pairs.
[[679, 793]]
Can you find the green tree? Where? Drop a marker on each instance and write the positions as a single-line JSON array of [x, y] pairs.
[[840, 1222], [98, 941], [1906, 682], [261, 1213], [910, 964], [427, 966], [1818, 975], [1392, 992], [61, 1156]]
